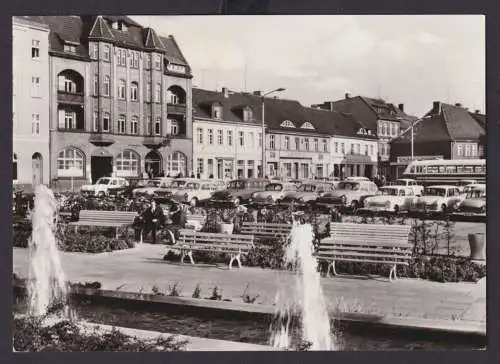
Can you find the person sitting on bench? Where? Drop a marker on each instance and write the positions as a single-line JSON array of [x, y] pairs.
[[153, 219]]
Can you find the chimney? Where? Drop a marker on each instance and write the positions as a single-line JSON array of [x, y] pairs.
[[458, 104], [347, 95], [436, 107], [257, 93], [401, 107], [478, 111], [225, 92]]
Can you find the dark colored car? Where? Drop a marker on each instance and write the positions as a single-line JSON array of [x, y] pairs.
[[239, 191]]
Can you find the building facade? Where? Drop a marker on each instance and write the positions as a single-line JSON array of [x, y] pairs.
[[30, 101], [446, 131], [120, 100], [227, 140]]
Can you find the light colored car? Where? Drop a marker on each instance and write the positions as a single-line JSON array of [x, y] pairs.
[[475, 201], [148, 188], [357, 178], [348, 194], [408, 182], [103, 185], [168, 186], [273, 192], [239, 191], [443, 199], [195, 192], [465, 182], [391, 199], [307, 192]]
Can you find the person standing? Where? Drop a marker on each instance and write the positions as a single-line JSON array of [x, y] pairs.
[[153, 219]]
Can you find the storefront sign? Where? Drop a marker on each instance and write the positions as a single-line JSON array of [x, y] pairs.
[[408, 159]]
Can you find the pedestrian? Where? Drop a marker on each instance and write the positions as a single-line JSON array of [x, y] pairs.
[[153, 219], [198, 176], [138, 225]]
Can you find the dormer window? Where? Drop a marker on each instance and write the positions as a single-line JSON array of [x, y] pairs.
[[362, 131], [247, 114], [287, 124], [70, 48], [119, 25], [176, 68], [217, 112], [307, 125]]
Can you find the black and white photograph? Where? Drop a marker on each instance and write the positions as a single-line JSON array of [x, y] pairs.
[[248, 183]]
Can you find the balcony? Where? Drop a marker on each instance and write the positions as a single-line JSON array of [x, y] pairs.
[[155, 141], [73, 98], [101, 139], [176, 109]]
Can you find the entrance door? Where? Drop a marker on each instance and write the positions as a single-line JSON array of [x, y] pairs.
[[296, 170], [368, 170], [153, 163], [36, 167], [100, 167]]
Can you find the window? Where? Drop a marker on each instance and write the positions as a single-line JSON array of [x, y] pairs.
[[68, 119], [210, 136], [247, 114], [242, 138], [127, 164], [474, 150], [459, 150], [307, 125], [366, 149], [158, 125], [134, 91], [134, 125], [70, 158], [95, 85], [172, 98], [35, 49], [272, 142], [157, 92], [467, 150], [371, 149], [121, 124], [287, 124], [229, 137], [176, 163], [94, 51], [70, 48], [95, 121], [106, 52], [174, 127], [199, 166], [358, 149], [287, 143], [200, 135], [353, 148], [14, 166], [380, 128], [336, 146], [342, 148], [260, 139], [210, 167], [107, 85], [35, 86], [121, 89], [134, 62], [217, 112], [105, 122], [35, 124], [220, 137], [149, 126], [325, 145], [148, 91], [251, 139], [147, 61], [122, 57], [157, 62], [316, 146], [306, 141]]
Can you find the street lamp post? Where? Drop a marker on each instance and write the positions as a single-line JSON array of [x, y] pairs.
[[263, 166]]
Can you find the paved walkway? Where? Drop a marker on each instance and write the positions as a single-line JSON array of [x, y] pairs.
[[141, 268]]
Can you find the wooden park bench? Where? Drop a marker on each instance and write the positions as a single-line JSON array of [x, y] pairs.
[[98, 218], [196, 221], [368, 243], [263, 230], [232, 244]]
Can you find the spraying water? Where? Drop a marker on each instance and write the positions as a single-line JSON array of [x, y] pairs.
[[47, 283], [306, 300]]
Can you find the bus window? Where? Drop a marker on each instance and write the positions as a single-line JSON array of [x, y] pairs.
[[419, 169], [469, 169], [442, 169], [451, 169], [478, 169], [460, 169], [412, 169], [432, 169]]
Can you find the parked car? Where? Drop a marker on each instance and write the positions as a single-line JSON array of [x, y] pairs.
[[475, 201], [438, 199], [465, 182], [195, 192], [103, 186], [408, 182], [273, 192], [394, 198], [147, 188], [357, 178], [239, 191], [168, 186], [348, 194], [307, 192]]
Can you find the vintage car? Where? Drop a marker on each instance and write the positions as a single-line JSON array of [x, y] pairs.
[[103, 186], [307, 192], [475, 201], [465, 182], [441, 198], [408, 182], [390, 199], [357, 178], [168, 186], [273, 192], [239, 191], [195, 192], [147, 188], [348, 194]]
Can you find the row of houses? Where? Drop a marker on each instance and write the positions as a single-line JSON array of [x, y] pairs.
[[102, 95]]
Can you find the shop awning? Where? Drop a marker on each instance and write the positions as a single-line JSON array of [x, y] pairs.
[[357, 159]]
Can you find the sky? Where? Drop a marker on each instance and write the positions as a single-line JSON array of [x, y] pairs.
[[404, 59]]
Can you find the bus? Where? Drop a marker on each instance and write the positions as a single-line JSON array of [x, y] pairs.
[[446, 172]]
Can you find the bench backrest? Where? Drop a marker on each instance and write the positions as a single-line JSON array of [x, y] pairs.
[[199, 218], [262, 229], [394, 236], [232, 242], [112, 216]]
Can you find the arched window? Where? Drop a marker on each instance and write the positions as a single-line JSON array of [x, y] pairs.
[[127, 164], [134, 91], [176, 164], [14, 166], [70, 163], [107, 85], [121, 89]]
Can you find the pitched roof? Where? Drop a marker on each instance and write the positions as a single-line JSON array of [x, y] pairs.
[[276, 112], [480, 119], [100, 30], [151, 39]]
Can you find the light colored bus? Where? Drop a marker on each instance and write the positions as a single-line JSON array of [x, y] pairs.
[[441, 171]]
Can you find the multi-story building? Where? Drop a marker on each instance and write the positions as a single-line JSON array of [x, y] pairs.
[[446, 131], [30, 101], [374, 114], [120, 100], [227, 135]]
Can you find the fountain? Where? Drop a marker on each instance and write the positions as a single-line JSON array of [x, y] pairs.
[[47, 284], [305, 300]]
